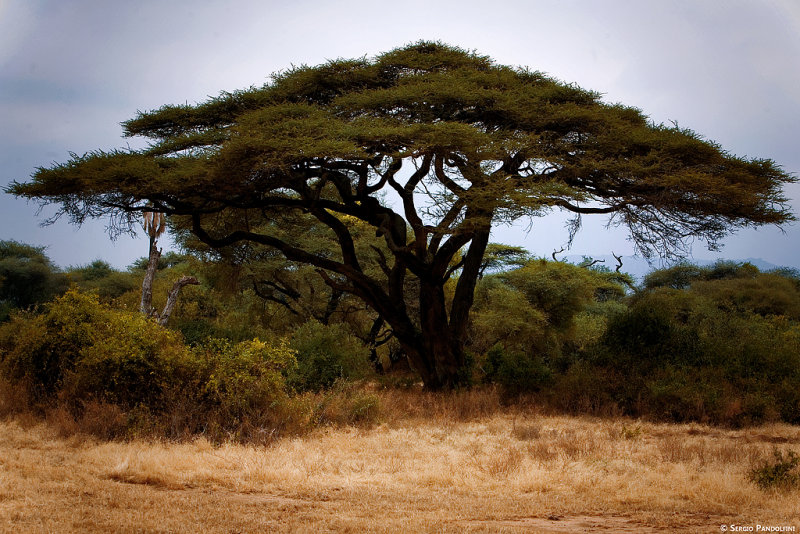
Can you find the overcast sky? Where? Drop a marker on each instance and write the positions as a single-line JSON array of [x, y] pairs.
[[71, 71]]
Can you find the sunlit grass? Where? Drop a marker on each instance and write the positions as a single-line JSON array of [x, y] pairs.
[[432, 463]]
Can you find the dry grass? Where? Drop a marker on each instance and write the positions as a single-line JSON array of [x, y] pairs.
[[436, 463]]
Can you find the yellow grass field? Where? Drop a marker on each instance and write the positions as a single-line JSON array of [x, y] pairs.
[[431, 465]]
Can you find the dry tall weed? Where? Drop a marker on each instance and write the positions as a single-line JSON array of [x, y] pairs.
[[466, 465]]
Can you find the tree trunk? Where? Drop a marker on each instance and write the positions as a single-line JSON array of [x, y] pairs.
[[333, 303], [172, 298], [434, 348], [439, 346], [146, 303]]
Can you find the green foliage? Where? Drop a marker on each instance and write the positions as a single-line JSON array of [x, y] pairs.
[[648, 332], [325, 354], [542, 305], [167, 260], [101, 278], [528, 321], [691, 355], [239, 380], [487, 143], [93, 271], [559, 290], [41, 349], [500, 257], [782, 472], [517, 372], [683, 275], [589, 326], [763, 294], [503, 315], [82, 349], [81, 352], [127, 360], [724, 349], [27, 277]]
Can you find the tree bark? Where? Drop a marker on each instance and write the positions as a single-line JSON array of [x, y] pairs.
[[333, 303], [440, 346], [172, 298], [146, 303]]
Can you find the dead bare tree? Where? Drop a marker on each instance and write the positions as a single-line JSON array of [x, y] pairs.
[[623, 278], [155, 224]]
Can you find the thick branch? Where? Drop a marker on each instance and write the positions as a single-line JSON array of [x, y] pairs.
[[589, 211], [465, 288], [448, 182], [172, 298]]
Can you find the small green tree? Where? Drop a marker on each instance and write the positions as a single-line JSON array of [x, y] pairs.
[[461, 142], [27, 277]]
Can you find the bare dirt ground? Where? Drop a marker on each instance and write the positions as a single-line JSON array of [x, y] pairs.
[[499, 473]]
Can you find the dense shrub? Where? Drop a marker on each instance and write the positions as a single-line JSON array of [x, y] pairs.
[[654, 330], [683, 275], [589, 326], [237, 380], [781, 472], [325, 354], [526, 323], [687, 355], [559, 290], [41, 349], [81, 349], [517, 372], [80, 354], [101, 278], [27, 277], [503, 316], [763, 294], [128, 360]]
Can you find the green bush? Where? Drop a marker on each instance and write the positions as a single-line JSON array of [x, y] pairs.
[[503, 315], [590, 325], [240, 380], [27, 277], [40, 349], [684, 274], [764, 294], [80, 349], [559, 290], [129, 360], [654, 330], [517, 372], [325, 354], [542, 307], [688, 355], [101, 278], [782, 472]]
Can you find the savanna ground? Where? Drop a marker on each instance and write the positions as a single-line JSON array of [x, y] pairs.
[[434, 463]]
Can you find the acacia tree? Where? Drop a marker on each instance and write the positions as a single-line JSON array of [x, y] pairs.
[[458, 141]]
